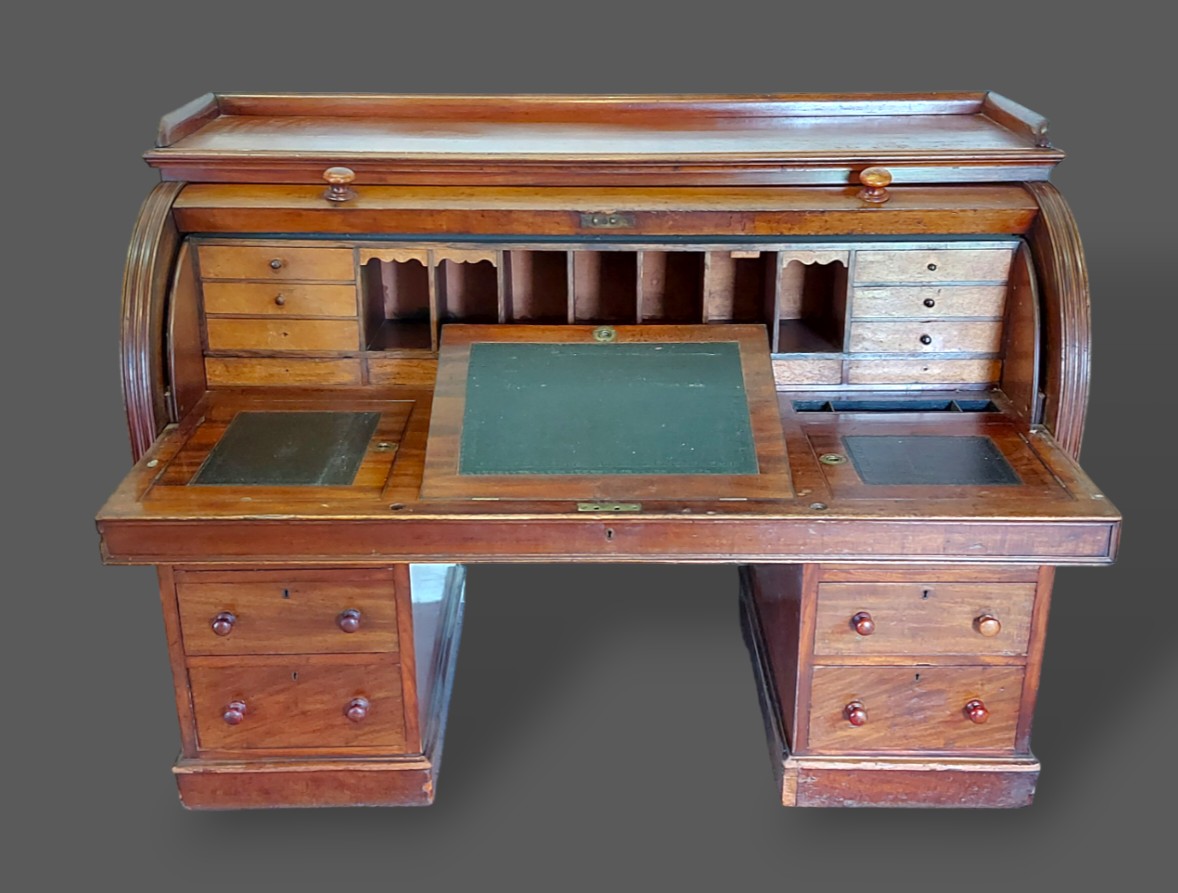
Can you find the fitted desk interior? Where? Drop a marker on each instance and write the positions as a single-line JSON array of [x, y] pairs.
[[839, 343]]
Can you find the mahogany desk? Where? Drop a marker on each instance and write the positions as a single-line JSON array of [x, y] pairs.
[[839, 342]]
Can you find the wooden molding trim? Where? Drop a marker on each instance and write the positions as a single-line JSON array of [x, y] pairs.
[[150, 258], [1067, 315]]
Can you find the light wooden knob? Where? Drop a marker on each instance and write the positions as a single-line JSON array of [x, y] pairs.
[[988, 625], [863, 623], [357, 709], [222, 623], [875, 181], [855, 713], [234, 712], [339, 181], [976, 711]]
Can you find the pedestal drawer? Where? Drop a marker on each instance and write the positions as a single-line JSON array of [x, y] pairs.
[[932, 618], [315, 701], [285, 613], [875, 709]]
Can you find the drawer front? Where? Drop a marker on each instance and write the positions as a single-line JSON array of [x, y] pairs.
[[929, 301], [923, 618], [930, 371], [933, 265], [255, 371], [926, 336], [283, 334], [287, 616], [298, 702], [914, 708], [275, 262], [279, 299]]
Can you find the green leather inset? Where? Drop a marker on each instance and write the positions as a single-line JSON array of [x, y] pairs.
[[676, 408]]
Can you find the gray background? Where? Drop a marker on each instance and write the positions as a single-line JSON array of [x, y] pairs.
[[604, 729]]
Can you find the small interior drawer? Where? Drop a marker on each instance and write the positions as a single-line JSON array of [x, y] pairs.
[[923, 619], [298, 701], [284, 614], [275, 261], [933, 265], [281, 335], [279, 299], [926, 336], [914, 708], [929, 302]]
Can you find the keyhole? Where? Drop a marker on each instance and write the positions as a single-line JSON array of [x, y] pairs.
[[609, 533], [926, 593], [294, 677], [286, 593], [917, 677]]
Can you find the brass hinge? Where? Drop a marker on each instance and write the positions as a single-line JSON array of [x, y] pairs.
[[609, 506]]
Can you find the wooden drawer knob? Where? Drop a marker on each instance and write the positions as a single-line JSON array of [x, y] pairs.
[[340, 184], [280, 300], [349, 620], [855, 713], [976, 711], [875, 181], [222, 623], [277, 264], [234, 712], [863, 623], [987, 625], [357, 709], [926, 339]]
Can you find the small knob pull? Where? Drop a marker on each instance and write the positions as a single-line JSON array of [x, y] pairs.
[[875, 181], [926, 339], [929, 302], [277, 263], [234, 712], [349, 620], [988, 625], [855, 713], [976, 711], [357, 709], [863, 623], [222, 623], [340, 179], [280, 300]]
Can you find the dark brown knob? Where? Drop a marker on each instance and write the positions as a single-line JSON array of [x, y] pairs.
[[349, 620], [932, 268], [926, 339], [357, 709], [222, 623], [855, 713], [929, 302], [280, 300], [976, 711], [875, 181], [863, 623], [234, 712], [340, 179], [988, 625], [276, 264]]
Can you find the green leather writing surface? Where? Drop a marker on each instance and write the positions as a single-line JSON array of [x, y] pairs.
[[290, 449], [601, 409]]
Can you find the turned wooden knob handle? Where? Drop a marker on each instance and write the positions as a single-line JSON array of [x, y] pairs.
[[976, 711], [280, 300], [339, 180], [349, 620], [855, 713], [863, 623], [988, 625], [234, 712], [875, 181], [357, 709], [277, 264], [222, 623]]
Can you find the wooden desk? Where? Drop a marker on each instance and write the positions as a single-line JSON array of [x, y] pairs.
[[896, 483]]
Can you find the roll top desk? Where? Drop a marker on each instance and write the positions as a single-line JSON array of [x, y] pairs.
[[839, 342]]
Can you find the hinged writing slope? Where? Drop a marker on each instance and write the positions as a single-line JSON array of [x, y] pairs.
[[577, 412]]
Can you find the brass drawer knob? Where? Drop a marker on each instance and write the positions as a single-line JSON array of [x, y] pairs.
[[234, 712], [976, 711], [988, 625], [349, 620], [875, 181], [222, 623], [863, 623], [855, 713], [357, 709]]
